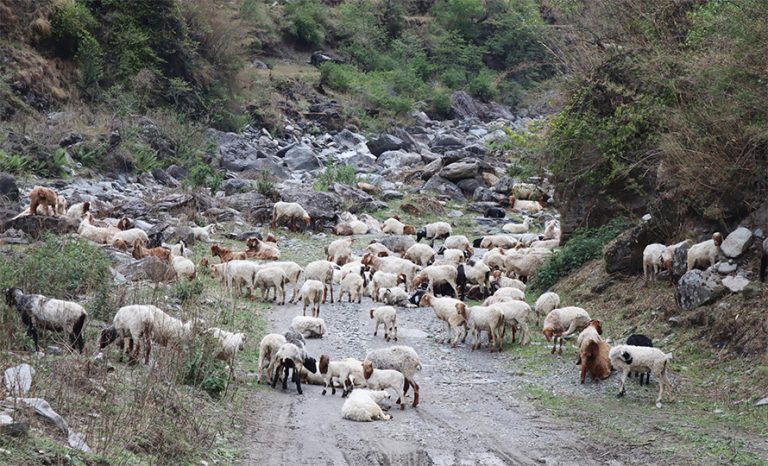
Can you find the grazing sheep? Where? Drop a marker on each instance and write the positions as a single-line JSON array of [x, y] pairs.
[[379, 250], [433, 231], [140, 252], [78, 211], [226, 254], [384, 280], [45, 198], [268, 278], [352, 285], [237, 273], [93, 233], [628, 358], [499, 241], [386, 315], [381, 379], [517, 227], [343, 371], [183, 267], [449, 310], [454, 256], [519, 205], [641, 340], [394, 265], [399, 358], [763, 259], [178, 249], [545, 304], [393, 226], [358, 227], [459, 242], [486, 319], [593, 353], [362, 406], [706, 253], [132, 236], [290, 213], [498, 280], [262, 250], [309, 327], [510, 292], [339, 251], [292, 274], [289, 356], [420, 254], [473, 272], [268, 348], [516, 315], [312, 294], [562, 322], [435, 275], [523, 265], [203, 233], [321, 271], [54, 314], [394, 296], [229, 345], [545, 244], [652, 260]]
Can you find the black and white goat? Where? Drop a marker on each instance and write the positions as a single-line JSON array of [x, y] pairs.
[[53, 314]]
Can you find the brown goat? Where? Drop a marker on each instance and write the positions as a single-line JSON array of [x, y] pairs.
[[45, 197], [264, 250], [227, 255], [593, 353], [140, 252]]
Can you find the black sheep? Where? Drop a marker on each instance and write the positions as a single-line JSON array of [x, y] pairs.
[[495, 212]]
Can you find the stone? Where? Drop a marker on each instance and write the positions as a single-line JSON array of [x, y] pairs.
[[762, 402], [236, 153], [483, 194], [455, 214], [18, 379], [71, 139], [234, 186], [625, 253], [724, 268], [460, 170], [735, 284], [384, 143], [468, 186], [322, 207], [504, 186], [445, 141], [162, 177], [391, 194], [259, 65], [301, 158], [271, 165], [680, 261], [396, 159], [254, 207], [737, 242], [36, 225], [178, 172], [397, 243], [431, 169], [357, 198], [463, 106], [319, 57], [440, 185], [697, 288], [409, 143], [8, 187], [348, 139]]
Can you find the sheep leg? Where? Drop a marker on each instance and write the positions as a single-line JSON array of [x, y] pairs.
[[304, 311], [400, 399], [325, 293], [415, 393], [458, 335], [406, 386], [376, 329], [466, 332], [276, 375], [330, 285], [147, 349], [554, 345], [285, 377], [297, 377], [583, 370], [623, 380], [560, 351], [31, 328]]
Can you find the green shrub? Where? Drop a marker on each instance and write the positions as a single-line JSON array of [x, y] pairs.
[[304, 22], [145, 158], [483, 86], [202, 370], [186, 291], [265, 186], [440, 104], [71, 23], [202, 174], [338, 77], [585, 245], [335, 173], [90, 60], [14, 163]]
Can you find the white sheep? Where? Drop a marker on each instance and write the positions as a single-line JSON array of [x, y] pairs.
[[384, 280], [268, 348], [130, 236], [562, 322], [706, 253], [229, 345], [268, 278], [435, 275], [379, 250], [343, 371], [312, 294], [519, 205], [393, 226], [358, 227], [420, 254], [449, 310], [289, 212], [524, 264], [433, 231], [393, 296], [652, 260], [394, 265], [39, 311], [321, 271], [641, 359], [179, 249], [93, 233], [474, 272], [292, 272], [339, 251], [400, 358], [510, 292], [352, 284], [516, 315], [362, 406], [203, 233], [309, 327], [386, 315], [459, 242], [552, 230], [292, 356], [78, 211], [545, 304], [499, 241], [486, 319], [502, 281], [517, 227], [454, 256], [381, 379], [237, 273], [183, 267]]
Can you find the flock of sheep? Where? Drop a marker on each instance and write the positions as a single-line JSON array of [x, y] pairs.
[[396, 271]]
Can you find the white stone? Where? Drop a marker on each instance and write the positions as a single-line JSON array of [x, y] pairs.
[[18, 380], [737, 242], [735, 284]]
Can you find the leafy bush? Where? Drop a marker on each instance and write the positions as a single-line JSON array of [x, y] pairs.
[[335, 173], [71, 23], [14, 163], [304, 22], [338, 77], [186, 291], [265, 186], [90, 59], [145, 158], [202, 370], [202, 174], [585, 245], [483, 86]]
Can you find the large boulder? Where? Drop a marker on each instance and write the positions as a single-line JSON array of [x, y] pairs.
[[235, 186], [384, 143], [8, 188], [395, 159], [680, 261], [504, 186], [235, 152], [348, 139], [36, 225], [625, 253], [271, 164], [322, 207], [468, 186], [357, 198], [440, 185], [737, 242], [464, 106], [460, 170], [253, 207], [149, 268], [301, 158], [697, 288], [445, 142]]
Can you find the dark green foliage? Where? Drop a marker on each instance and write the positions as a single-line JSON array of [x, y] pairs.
[[203, 174], [202, 370], [335, 173], [305, 22], [585, 245]]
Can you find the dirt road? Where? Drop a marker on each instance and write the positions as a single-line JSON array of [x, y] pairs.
[[467, 413]]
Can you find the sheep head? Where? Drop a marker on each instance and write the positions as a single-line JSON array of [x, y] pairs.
[[425, 299], [125, 224], [422, 233], [11, 296], [323, 366], [717, 238], [548, 333], [461, 308], [367, 369], [597, 325], [307, 219], [122, 245], [409, 230], [311, 364]]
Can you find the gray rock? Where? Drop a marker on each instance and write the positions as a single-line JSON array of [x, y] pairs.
[[468, 186], [271, 164], [8, 188], [680, 261], [455, 214], [483, 194], [322, 207], [396, 159], [18, 379], [301, 158], [625, 253], [442, 186], [737, 242], [735, 284], [476, 149], [36, 225], [149, 268], [445, 141], [725, 268], [504, 186], [259, 65], [460, 170], [71, 139], [253, 206], [409, 143], [431, 169], [234, 186], [464, 106], [397, 243], [384, 143], [697, 288], [357, 198], [391, 194], [348, 139], [762, 402], [177, 172], [164, 178], [235, 152]]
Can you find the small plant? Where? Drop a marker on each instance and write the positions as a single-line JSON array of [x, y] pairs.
[[585, 245], [187, 291], [334, 173], [202, 369], [14, 163], [265, 186], [145, 158], [202, 174]]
